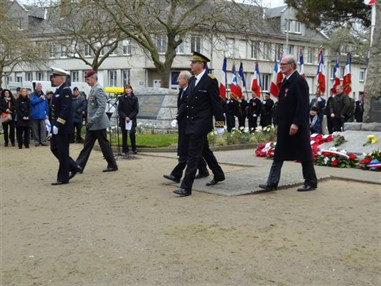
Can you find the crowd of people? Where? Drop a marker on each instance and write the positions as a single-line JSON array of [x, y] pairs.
[[29, 116]]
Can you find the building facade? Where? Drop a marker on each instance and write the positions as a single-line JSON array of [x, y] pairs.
[[130, 64]]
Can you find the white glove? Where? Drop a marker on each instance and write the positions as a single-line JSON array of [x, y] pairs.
[[174, 123], [220, 131], [55, 130]]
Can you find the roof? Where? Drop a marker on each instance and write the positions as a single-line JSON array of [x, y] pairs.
[[276, 11]]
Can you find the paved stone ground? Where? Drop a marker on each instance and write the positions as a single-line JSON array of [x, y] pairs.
[[252, 171]]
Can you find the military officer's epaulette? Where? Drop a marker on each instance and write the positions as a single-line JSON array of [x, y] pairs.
[[219, 124], [212, 76]]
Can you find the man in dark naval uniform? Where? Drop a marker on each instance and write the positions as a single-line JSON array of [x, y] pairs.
[[293, 134], [202, 102], [62, 113]]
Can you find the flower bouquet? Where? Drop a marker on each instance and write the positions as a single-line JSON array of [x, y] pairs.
[[265, 150], [338, 139], [336, 158], [371, 139], [371, 161]]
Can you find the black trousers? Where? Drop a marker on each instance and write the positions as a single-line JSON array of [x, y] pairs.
[[230, 122], [90, 138], [59, 145], [338, 124], [9, 136], [76, 134], [23, 135], [198, 147], [132, 133], [177, 171], [253, 123], [309, 174]]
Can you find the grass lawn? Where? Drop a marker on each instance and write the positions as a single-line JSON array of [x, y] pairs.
[[151, 140]]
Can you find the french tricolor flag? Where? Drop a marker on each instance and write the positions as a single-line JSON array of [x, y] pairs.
[[347, 78], [235, 89], [336, 74], [223, 80], [256, 83], [320, 77], [276, 80], [301, 62]]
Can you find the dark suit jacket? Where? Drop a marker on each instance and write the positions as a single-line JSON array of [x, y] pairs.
[[201, 103], [293, 108], [62, 109]]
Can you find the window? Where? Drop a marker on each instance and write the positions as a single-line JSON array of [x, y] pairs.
[[126, 76], [74, 75], [290, 49], [88, 51], [298, 27], [52, 50], [288, 25], [63, 51], [265, 80], [28, 76], [254, 49], [266, 51], [195, 43], [112, 77], [39, 76], [229, 47], [362, 75], [310, 55], [102, 52], [18, 77], [242, 49], [161, 43], [278, 51], [180, 49], [113, 53], [126, 44]]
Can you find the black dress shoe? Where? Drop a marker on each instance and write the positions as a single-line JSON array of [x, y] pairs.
[[183, 192], [202, 175], [73, 173], [57, 183], [269, 188], [110, 169], [306, 188], [172, 178], [214, 182]]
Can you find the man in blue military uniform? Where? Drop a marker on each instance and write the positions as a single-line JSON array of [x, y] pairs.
[[62, 113], [202, 102]]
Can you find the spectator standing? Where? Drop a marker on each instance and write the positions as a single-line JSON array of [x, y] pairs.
[[23, 114], [97, 123], [293, 134], [40, 111], [267, 106], [8, 106], [319, 103], [359, 109], [128, 109], [315, 121], [253, 111], [339, 108], [229, 107], [327, 110], [79, 108]]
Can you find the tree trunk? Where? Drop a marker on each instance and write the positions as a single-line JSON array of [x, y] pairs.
[[373, 82]]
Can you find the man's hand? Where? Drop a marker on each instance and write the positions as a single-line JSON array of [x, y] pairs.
[[174, 123], [220, 131], [55, 130], [293, 129]]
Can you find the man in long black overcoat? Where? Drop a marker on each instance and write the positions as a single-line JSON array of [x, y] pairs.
[[293, 135]]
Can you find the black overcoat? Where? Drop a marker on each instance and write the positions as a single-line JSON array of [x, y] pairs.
[[128, 106], [293, 108], [202, 103]]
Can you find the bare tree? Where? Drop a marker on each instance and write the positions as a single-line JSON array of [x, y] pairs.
[[14, 47], [159, 27], [86, 32]]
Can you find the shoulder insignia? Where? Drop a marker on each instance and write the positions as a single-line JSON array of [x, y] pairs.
[[212, 76]]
